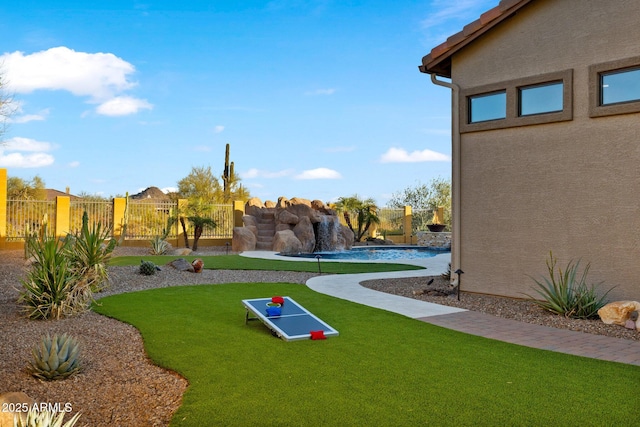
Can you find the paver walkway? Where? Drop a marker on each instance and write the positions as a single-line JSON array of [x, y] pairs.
[[347, 286]]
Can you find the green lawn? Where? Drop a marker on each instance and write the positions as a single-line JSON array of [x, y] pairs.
[[382, 370], [237, 262]]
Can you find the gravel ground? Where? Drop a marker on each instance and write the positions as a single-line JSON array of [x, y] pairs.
[[120, 386], [440, 292]]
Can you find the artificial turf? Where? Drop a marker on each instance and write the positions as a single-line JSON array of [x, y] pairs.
[[383, 369], [237, 262]]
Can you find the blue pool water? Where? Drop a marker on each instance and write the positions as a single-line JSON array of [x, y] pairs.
[[378, 253]]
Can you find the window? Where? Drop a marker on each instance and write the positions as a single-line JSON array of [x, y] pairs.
[[614, 87], [490, 106], [540, 99], [545, 98], [619, 86]]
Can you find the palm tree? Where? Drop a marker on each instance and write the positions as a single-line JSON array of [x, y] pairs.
[[197, 213], [364, 211]]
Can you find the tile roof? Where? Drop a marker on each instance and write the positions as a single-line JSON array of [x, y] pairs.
[[439, 60]]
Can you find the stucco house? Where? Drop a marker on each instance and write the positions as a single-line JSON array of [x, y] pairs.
[[545, 142]]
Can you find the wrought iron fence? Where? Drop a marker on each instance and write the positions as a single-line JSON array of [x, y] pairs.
[[391, 221], [25, 217], [98, 212], [223, 217], [146, 219]]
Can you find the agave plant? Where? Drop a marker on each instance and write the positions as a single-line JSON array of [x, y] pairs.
[[567, 293], [55, 357], [159, 246], [37, 418]]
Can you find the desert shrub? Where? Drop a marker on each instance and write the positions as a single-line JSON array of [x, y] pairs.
[[65, 272], [567, 293], [159, 246], [89, 252], [37, 418], [47, 286]]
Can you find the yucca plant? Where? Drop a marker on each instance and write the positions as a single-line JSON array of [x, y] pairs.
[[89, 253], [567, 293], [159, 246], [55, 357], [147, 268], [36, 418], [48, 284]]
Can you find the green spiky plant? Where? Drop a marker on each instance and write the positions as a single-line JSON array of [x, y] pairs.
[[566, 292], [55, 357], [147, 268], [36, 418], [159, 246], [46, 289], [89, 253]]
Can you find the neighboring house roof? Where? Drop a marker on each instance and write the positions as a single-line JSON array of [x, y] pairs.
[[151, 193], [439, 60], [51, 194]]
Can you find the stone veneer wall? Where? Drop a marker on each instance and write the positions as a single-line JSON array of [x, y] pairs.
[[434, 240]]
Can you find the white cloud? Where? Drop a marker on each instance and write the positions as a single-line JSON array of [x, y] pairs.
[[19, 160], [74, 164], [218, 129], [99, 76], [122, 106], [167, 190], [26, 144], [257, 173], [319, 173], [10, 155], [329, 91], [399, 155]]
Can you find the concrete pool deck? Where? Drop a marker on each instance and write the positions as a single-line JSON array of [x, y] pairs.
[[348, 287]]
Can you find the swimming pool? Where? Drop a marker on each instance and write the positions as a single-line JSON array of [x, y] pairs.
[[377, 253]]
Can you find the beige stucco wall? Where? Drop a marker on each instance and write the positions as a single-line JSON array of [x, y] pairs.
[[571, 187]]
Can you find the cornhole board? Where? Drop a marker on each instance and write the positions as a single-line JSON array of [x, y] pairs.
[[294, 323]]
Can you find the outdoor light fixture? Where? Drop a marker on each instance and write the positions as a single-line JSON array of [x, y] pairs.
[[459, 272], [318, 258], [227, 249]]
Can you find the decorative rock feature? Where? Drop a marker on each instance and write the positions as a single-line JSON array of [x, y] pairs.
[[182, 264], [286, 242], [198, 265], [429, 239], [12, 400], [244, 238], [619, 313], [291, 226]]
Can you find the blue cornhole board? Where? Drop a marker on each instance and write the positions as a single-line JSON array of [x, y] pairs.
[[294, 322]]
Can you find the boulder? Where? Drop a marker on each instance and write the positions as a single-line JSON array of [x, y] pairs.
[[269, 204], [286, 217], [280, 227], [198, 265], [253, 206], [11, 400], [618, 312], [182, 264], [244, 239], [345, 237], [304, 232], [286, 242], [249, 220]]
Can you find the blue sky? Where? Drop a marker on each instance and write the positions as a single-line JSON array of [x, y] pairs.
[[318, 99]]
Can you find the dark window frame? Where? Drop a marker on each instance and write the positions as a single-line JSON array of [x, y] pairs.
[[596, 108], [512, 89]]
